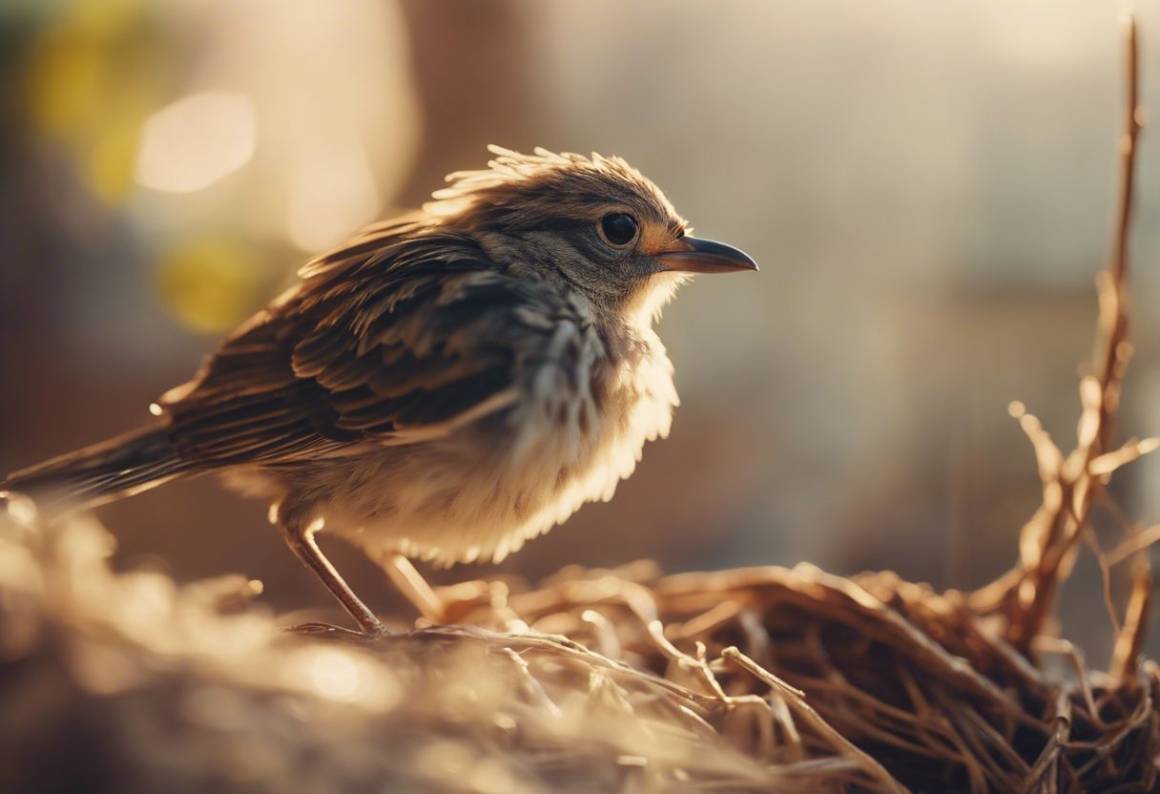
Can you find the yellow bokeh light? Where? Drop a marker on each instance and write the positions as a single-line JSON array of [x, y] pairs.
[[211, 284], [109, 163], [66, 76]]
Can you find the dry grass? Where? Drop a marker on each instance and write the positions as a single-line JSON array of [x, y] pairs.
[[762, 679]]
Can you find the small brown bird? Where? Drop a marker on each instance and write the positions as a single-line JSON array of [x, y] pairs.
[[445, 386]]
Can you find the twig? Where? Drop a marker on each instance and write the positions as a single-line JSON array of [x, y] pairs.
[[1134, 544], [1131, 636], [806, 712], [1050, 538]]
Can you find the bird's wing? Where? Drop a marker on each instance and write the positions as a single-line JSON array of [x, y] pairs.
[[403, 336]]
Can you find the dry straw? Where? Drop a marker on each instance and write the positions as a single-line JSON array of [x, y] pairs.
[[761, 679]]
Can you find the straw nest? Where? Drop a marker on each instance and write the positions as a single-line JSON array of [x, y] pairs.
[[758, 679], [762, 679]]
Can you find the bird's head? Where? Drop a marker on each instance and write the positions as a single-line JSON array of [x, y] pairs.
[[596, 224]]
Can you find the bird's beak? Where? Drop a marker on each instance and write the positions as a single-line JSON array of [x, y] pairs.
[[693, 255]]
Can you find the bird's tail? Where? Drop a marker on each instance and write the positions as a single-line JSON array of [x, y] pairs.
[[103, 472]]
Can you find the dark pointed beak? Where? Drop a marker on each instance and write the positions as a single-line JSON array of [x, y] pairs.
[[693, 255]]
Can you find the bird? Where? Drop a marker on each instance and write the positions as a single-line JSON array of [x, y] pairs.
[[445, 386]]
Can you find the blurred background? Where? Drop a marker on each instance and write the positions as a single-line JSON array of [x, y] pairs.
[[927, 186]]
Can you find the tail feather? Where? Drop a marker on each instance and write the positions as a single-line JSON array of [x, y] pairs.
[[103, 472]]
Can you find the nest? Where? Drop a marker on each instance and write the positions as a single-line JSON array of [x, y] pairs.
[[756, 679], [761, 679]]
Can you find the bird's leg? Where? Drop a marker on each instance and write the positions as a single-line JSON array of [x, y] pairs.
[[299, 537], [413, 586]]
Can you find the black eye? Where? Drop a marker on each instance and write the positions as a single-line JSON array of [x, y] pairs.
[[618, 228]]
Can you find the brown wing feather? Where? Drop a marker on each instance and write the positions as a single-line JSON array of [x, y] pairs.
[[400, 337]]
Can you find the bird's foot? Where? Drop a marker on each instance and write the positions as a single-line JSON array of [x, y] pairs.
[[329, 631]]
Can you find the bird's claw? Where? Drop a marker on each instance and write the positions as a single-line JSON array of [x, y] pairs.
[[330, 631]]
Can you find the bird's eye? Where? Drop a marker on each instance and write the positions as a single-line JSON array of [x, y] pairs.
[[618, 229]]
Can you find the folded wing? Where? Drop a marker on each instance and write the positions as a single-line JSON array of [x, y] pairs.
[[404, 335]]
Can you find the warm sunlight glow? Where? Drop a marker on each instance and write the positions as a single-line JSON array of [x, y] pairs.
[[195, 141], [333, 675], [332, 192]]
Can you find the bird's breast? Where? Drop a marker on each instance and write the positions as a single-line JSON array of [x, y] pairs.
[[574, 443], [583, 417]]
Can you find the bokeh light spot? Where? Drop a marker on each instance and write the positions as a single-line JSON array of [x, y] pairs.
[[66, 76], [211, 284], [334, 675], [109, 162], [195, 141]]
